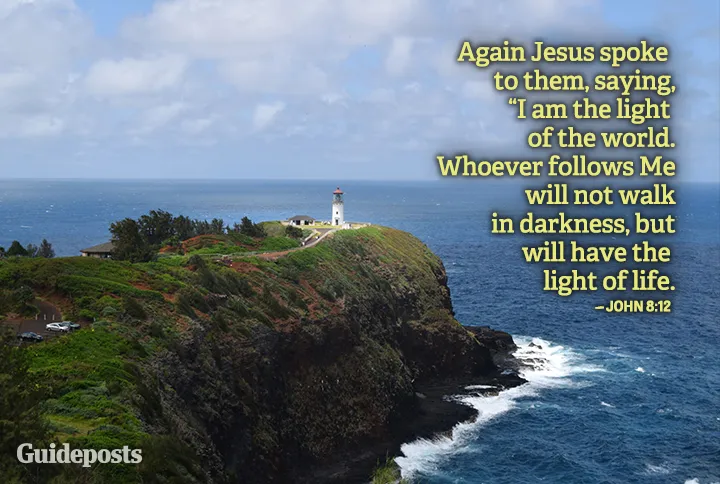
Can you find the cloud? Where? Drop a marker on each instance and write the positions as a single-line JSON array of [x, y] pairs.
[[256, 28], [399, 57], [158, 117], [131, 76], [265, 114], [360, 76], [34, 126], [197, 126], [479, 90], [15, 79], [274, 75]]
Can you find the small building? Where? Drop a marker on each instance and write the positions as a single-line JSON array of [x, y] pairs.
[[301, 220], [102, 251]]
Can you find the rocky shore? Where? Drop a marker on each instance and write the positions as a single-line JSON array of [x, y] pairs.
[[433, 415]]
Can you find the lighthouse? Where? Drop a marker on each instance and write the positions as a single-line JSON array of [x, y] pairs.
[[338, 208]]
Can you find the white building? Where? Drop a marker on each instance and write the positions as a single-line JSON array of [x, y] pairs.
[[338, 209], [301, 220]]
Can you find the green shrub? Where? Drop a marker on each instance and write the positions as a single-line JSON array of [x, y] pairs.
[[87, 314], [189, 298], [197, 261], [109, 312], [134, 309], [388, 473]]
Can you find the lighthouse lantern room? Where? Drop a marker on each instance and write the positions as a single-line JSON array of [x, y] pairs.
[[338, 208]]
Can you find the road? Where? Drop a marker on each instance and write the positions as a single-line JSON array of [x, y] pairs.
[[47, 313], [278, 254]]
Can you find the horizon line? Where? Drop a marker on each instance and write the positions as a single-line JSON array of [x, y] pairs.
[[332, 181], [337, 180]]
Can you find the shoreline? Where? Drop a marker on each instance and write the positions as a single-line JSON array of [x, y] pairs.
[[435, 412]]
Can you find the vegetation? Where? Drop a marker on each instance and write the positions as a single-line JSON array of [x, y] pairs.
[[17, 300], [188, 351], [247, 227], [21, 396], [140, 240], [388, 473], [294, 232], [17, 250]]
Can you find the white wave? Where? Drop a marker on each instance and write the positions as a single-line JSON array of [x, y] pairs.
[[661, 469], [605, 404], [479, 387], [640, 369], [548, 366]]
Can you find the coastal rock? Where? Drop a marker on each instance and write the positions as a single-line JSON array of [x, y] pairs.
[[311, 367], [325, 400]]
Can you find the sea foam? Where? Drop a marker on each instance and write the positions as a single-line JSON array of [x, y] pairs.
[[547, 366]]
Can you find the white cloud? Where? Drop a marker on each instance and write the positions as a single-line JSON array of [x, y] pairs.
[[197, 126], [14, 80], [158, 117], [274, 75], [41, 42], [31, 126], [400, 55], [130, 76], [265, 114], [38, 126], [381, 95], [238, 28], [334, 98], [482, 90]]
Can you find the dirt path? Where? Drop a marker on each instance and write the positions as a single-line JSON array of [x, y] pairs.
[[282, 253]]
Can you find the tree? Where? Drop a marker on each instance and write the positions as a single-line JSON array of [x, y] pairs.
[[32, 250], [129, 243], [217, 226], [2, 252], [247, 227], [46, 250], [16, 250], [184, 227], [156, 226], [293, 232]]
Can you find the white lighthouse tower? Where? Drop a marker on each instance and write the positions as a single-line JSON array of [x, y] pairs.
[[338, 208]]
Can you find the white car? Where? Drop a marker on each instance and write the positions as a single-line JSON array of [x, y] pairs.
[[57, 327]]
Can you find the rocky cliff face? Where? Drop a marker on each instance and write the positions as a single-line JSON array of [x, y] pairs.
[[320, 397], [310, 368]]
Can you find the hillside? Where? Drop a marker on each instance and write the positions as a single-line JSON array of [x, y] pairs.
[[308, 366]]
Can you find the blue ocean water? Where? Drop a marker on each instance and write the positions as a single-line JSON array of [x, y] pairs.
[[626, 398]]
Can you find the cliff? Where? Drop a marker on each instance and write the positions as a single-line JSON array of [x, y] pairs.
[[310, 368]]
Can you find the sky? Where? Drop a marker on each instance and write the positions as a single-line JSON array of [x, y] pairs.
[[312, 89]]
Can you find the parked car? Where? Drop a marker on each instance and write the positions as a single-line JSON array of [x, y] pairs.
[[69, 324], [57, 327], [29, 336]]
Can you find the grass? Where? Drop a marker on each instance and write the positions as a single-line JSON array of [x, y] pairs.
[[272, 244], [235, 243], [388, 473], [273, 229], [219, 249], [90, 384]]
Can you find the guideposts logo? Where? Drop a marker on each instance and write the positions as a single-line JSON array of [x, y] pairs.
[[87, 457]]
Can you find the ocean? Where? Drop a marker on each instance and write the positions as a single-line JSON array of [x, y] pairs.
[[621, 398]]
